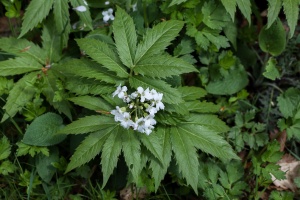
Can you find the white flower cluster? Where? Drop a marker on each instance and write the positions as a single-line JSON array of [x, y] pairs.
[[142, 105], [108, 15]]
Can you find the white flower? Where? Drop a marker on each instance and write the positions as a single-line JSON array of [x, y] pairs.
[[106, 3], [85, 2], [80, 8], [121, 92], [126, 122], [144, 94], [108, 15], [151, 110], [134, 7]]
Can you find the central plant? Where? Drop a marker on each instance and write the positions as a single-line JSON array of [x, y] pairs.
[[150, 99]]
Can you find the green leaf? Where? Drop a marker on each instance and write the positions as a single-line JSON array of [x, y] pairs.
[[289, 102], [245, 7], [132, 152], [163, 66], [153, 143], [110, 153], [22, 92], [125, 37], [230, 6], [18, 65], [273, 11], [62, 21], [202, 107], [23, 48], [192, 93], [100, 52], [88, 124], [85, 16], [186, 156], [170, 95], [42, 131], [90, 147], [271, 70], [157, 39], [291, 11], [92, 103], [36, 11], [7, 167], [176, 2], [160, 169], [293, 131], [4, 148]]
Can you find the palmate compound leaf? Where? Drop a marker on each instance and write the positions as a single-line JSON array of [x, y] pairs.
[[90, 147], [157, 39], [273, 11], [88, 124], [18, 65], [170, 95], [36, 11], [163, 66], [21, 93], [92, 103], [101, 52], [291, 11], [125, 37], [160, 169]]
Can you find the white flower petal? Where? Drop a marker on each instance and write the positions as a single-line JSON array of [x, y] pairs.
[[80, 8]]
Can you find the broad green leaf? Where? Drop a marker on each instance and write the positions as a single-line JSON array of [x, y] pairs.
[[88, 69], [207, 140], [62, 21], [170, 95], [23, 48], [4, 148], [22, 92], [293, 131], [7, 167], [44, 165], [192, 93], [85, 16], [42, 131], [125, 37], [176, 2], [18, 65], [186, 156], [132, 152], [273, 11], [202, 107], [100, 52], [36, 11], [160, 169], [88, 124], [90, 147], [291, 11], [230, 6], [153, 143], [245, 7], [163, 66], [288, 102], [271, 70], [110, 153], [92, 103], [157, 39], [231, 32]]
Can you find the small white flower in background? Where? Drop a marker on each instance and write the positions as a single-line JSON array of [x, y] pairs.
[[142, 105], [134, 7], [106, 3], [108, 15], [85, 2], [80, 8]]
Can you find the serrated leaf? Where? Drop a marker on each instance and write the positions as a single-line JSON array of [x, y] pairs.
[[90, 147], [100, 52], [160, 169], [125, 37], [245, 7], [273, 11], [202, 107], [192, 93], [42, 131], [157, 39], [153, 143], [18, 65], [110, 153], [132, 152], [230, 6], [4, 148], [22, 48], [163, 66], [288, 102], [88, 124], [22, 92], [92, 103], [291, 11], [176, 2], [88, 69], [208, 140], [186, 156], [170, 95], [36, 11], [271, 70], [85, 16], [62, 21]]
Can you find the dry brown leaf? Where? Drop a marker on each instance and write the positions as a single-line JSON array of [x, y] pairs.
[[128, 194]]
